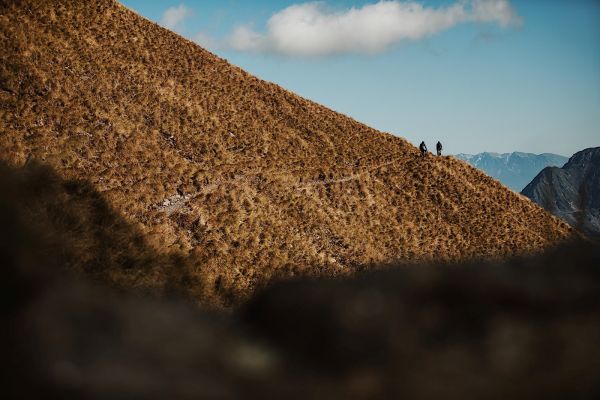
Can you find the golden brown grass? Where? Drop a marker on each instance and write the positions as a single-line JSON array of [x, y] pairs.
[[49, 223], [245, 179]]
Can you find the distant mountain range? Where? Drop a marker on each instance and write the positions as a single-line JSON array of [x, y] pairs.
[[571, 192], [514, 170]]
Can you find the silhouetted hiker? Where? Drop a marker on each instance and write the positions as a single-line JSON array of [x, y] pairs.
[[423, 149], [438, 147]]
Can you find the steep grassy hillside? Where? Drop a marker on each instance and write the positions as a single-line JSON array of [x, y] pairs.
[[51, 224], [246, 180]]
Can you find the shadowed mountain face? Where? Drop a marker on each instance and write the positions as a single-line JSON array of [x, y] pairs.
[[514, 170], [571, 192], [245, 180]]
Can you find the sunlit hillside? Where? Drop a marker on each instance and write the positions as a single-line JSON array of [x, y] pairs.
[[245, 180]]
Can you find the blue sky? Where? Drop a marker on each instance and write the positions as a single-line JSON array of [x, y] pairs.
[[494, 75]]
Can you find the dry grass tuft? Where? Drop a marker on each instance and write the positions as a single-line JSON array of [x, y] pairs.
[[246, 180]]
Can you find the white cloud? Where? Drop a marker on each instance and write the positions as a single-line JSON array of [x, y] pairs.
[[310, 29], [244, 38], [499, 11], [205, 41], [173, 17]]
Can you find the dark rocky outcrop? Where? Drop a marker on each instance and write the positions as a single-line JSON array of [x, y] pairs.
[[571, 192], [524, 329]]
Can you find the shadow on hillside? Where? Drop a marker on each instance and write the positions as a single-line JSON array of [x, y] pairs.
[[49, 224], [525, 328]]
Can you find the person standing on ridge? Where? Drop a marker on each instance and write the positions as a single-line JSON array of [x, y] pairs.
[[438, 147], [423, 149]]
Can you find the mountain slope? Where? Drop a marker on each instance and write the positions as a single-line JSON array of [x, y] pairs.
[[571, 192], [246, 179], [52, 224], [516, 169]]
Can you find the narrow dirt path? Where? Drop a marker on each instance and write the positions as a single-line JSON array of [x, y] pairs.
[[352, 176], [178, 202]]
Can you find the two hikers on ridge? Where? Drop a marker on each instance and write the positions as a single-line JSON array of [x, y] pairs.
[[423, 148]]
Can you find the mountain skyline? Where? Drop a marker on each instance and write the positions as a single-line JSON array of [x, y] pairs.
[[518, 75], [515, 169]]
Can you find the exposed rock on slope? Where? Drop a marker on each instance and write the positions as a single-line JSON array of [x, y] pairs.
[[516, 169], [571, 192], [246, 180]]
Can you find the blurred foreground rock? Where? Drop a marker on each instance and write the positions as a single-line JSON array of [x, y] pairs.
[[524, 329]]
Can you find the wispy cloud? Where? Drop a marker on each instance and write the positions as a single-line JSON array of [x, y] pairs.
[[205, 41], [311, 29], [173, 17]]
